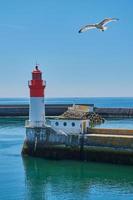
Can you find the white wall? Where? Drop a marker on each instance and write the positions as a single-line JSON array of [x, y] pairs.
[[68, 128], [37, 111]]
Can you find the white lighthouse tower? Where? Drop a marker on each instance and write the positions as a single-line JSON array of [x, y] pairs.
[[37, 108]]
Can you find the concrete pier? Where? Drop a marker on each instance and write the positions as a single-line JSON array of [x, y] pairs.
[[23, 110], [102, 145], [58, 109], [115, 112]]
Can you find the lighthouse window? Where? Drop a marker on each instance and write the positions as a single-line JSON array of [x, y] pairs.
[[65, 124], [57, 123], [73, 124]]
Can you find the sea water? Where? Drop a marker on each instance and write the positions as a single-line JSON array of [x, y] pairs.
[[27, 178], [108, 102]]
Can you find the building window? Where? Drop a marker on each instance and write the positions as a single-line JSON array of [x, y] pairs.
[[73, 124], [57, 123], [65, 124]]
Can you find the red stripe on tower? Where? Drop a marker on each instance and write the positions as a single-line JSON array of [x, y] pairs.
[[37, 85]]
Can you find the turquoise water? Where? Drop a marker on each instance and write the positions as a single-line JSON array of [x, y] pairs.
[[117, 124], [109, 102], [39, 179]]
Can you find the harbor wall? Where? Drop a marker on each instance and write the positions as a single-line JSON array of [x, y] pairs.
[[23, 110], [114, 112], [109, 131], [101, 145], [58, 109]]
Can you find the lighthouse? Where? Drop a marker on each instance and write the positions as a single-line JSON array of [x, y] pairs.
[[37, 93]]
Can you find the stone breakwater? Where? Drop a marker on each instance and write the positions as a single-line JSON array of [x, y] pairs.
[[101, 145], [93, 117], [114, 112], [58, 109], [23, 110]]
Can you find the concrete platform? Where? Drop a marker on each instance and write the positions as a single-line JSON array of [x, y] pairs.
[[102, 146], [114, 141], [109, 131]]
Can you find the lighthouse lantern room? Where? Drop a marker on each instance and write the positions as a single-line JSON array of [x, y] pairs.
[[37, 108]]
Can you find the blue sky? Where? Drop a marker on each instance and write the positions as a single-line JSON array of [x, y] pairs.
[[92, 64]]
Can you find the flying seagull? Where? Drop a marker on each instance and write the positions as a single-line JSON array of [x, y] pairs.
[[101, 26]]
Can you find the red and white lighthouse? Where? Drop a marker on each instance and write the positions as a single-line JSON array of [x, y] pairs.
[[37, 108]]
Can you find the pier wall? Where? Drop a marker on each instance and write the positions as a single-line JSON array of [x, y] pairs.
[[102, 145], [23, 110], [108, 131], [58, 109], [114, 112]]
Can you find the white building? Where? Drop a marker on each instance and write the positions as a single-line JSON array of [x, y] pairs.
[[69, 126], [73, 121]]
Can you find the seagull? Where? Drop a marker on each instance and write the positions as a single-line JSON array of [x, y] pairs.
[[101, 26]]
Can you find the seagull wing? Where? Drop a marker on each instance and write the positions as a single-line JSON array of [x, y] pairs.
[[87, 27], [107, 20]]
